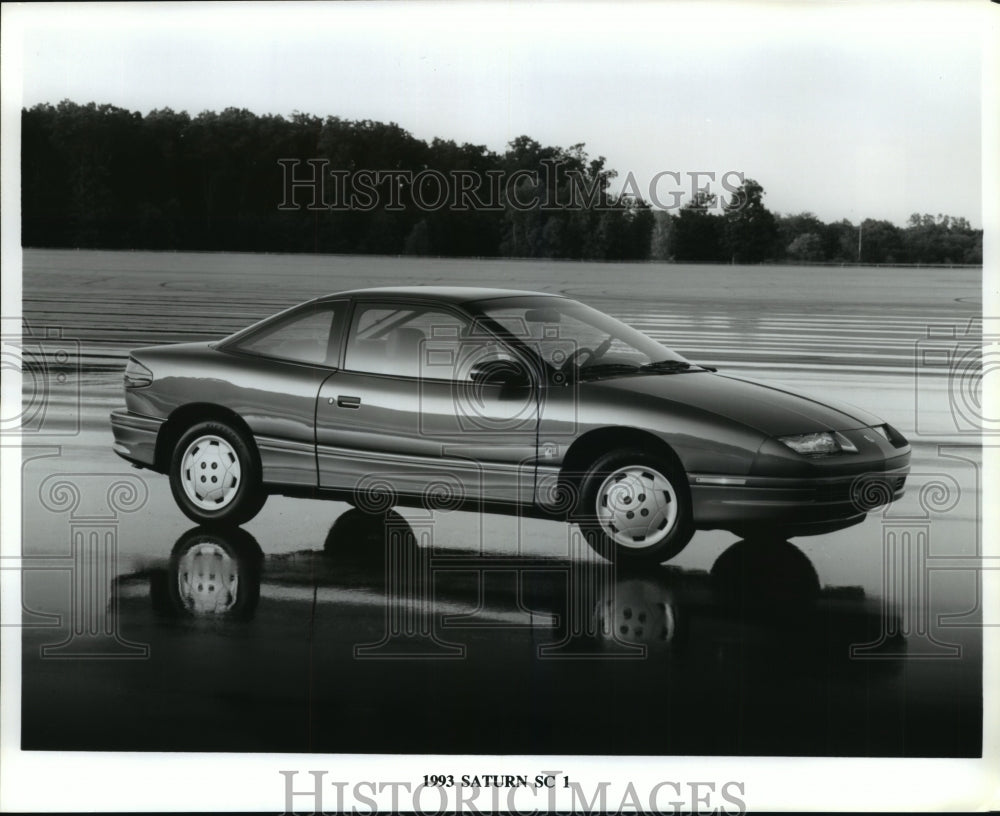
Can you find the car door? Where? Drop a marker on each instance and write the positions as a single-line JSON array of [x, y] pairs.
[[273, 378], [404, 414]]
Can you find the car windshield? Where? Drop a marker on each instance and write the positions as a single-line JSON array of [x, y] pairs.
[[571, 337]]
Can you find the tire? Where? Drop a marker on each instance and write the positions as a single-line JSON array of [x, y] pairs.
[[653, 491], [215, 475]]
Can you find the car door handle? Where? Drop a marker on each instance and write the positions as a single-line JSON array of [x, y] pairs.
[[348, 402]]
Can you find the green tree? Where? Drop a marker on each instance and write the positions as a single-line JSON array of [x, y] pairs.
[[791, 227], [840, 241], [418, 242], [880, 242], [751, 232], [806, 247], [697, 233], [943, 239]]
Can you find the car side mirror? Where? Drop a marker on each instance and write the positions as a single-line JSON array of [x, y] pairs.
[[510, 373]]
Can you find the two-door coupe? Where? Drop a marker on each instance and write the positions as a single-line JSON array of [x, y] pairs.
[[503, 401]]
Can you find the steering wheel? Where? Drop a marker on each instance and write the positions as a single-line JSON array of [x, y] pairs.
[[574, 357], [593, 354]]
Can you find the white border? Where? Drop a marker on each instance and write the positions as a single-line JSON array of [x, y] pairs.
[[179, 782]]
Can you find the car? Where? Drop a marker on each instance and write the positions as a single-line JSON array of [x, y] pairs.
[[498, 401]]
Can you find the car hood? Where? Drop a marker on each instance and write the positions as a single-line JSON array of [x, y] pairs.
[[766, 408], [168, 349]]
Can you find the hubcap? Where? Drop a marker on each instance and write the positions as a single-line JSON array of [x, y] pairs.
[[637, 506], [210, 472], [639, 611], [207, 579]]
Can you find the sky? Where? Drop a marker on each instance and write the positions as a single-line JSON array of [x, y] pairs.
[[848, 110]]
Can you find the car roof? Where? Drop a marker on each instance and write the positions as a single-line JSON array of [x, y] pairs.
[[447, 294]]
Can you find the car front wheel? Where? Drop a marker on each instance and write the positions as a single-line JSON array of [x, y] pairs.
[[634, 507], [214, 475]]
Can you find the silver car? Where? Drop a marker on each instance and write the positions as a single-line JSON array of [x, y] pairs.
[[499, 401]]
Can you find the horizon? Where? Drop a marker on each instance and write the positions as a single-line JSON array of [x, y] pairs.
[[848, 111], [616, 186]]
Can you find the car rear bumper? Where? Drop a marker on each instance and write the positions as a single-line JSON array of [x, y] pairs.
[[135, 437], [806, 505]]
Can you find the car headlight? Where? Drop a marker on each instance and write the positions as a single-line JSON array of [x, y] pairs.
[[137, 375], [819, 444]]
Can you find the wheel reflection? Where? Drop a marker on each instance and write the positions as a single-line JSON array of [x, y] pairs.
[[214, 574], [763, 575], [762, 598]]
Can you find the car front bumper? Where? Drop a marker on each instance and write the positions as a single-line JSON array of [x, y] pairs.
[[810, 505], [135, 437]]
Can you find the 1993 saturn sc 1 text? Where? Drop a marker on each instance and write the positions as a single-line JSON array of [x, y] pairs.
[[502, 401]]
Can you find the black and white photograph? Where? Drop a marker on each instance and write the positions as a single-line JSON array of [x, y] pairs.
[[510, 407]]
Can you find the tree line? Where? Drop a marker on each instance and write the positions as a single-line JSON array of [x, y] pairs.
[[100, 176]]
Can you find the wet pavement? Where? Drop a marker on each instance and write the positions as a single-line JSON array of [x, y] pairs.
[[316, 628], [375, 640]]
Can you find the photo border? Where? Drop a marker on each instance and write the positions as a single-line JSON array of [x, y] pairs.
[[73, 781]]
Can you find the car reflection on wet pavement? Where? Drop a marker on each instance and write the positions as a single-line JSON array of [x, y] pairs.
[[375, 642]]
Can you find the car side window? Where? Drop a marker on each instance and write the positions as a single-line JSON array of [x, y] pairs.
[[311, 335], [410, 341]]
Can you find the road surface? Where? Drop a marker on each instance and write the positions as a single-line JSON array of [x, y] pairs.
[[829, 645]]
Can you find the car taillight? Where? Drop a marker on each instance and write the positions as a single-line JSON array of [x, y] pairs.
[[137, 375]]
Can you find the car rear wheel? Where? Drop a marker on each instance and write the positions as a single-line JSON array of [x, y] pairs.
[[634, 507], [214, 475]]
